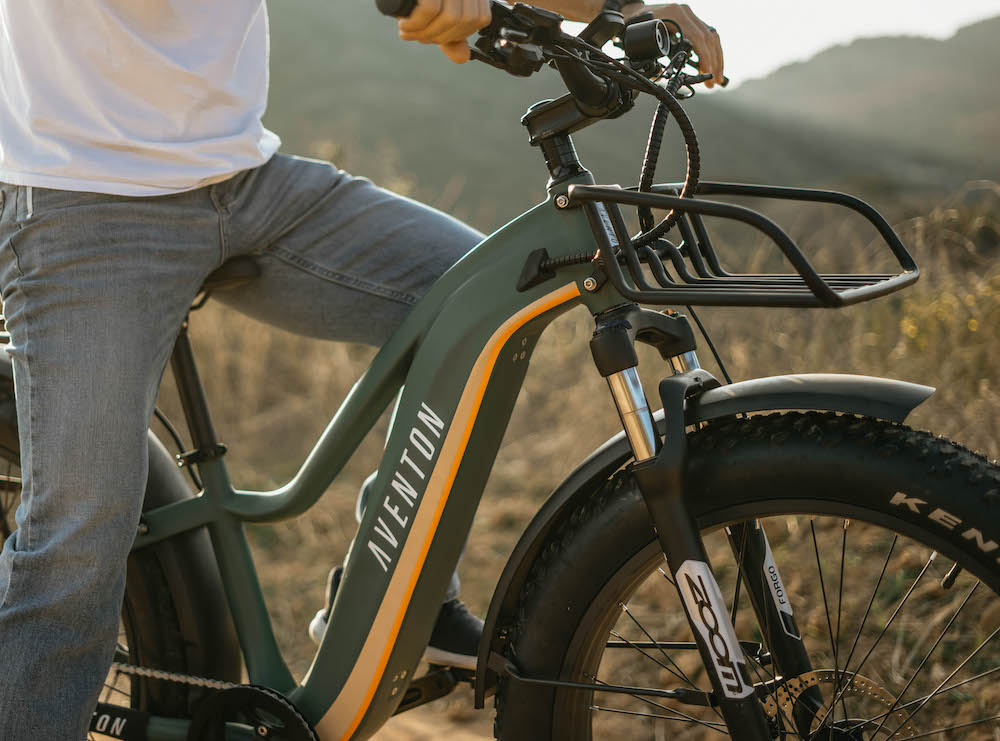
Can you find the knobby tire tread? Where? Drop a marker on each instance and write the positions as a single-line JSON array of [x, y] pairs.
[[940, 459]]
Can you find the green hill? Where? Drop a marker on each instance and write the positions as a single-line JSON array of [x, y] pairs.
[[343, 85]]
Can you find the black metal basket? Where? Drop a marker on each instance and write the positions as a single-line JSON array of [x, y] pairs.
[[693, 273]]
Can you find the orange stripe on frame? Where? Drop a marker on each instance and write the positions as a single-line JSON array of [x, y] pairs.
[[426, 520]]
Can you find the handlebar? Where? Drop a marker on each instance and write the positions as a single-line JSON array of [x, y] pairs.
[[396, 8], [520, 39]]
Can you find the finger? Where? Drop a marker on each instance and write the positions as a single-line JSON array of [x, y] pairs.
[[423, 14], [706, 58], [464, 25], [441, 29], [709, 60], [706, 45], [457, 51], [714, 52], [484, 14], [720, 76]]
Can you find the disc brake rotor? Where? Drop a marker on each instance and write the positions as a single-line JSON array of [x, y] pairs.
[[844, 685]]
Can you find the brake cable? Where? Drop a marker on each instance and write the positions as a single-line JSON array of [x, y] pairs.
[[668, 106]]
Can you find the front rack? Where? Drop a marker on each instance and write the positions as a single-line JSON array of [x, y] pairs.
[[692, 274]]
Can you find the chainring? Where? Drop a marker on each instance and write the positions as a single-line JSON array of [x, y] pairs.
[[842, 684], [267, 713]]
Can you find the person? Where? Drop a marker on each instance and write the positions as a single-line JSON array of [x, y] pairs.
[[133, 162]]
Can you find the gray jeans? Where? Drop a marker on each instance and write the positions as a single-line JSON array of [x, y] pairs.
[[94, 288]]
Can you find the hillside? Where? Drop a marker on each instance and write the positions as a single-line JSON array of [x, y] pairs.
[[343, 86], [934, 96]]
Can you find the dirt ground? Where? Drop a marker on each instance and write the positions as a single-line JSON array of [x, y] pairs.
[[428, 729], [452, 719]]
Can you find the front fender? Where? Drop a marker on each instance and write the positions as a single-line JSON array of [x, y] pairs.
[[865, 395]]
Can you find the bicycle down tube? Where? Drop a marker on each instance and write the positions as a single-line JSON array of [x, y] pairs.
[[463, 354]]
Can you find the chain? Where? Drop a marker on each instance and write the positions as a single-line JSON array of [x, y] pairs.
[[142, 671]]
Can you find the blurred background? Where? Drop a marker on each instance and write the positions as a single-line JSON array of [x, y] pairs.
[[897, 102]]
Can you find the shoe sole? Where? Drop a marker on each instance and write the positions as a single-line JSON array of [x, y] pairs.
[[447, 658]]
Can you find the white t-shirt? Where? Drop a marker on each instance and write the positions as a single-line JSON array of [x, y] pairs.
[[132, 97]]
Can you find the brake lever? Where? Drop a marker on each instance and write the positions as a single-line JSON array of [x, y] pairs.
[[519, 60]]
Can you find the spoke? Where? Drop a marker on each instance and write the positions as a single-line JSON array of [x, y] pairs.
[[838, 696], [684, 676], [937, 689], [888, 557], [714, 726], [953, 728], [681, 716], [774, 683], [678, 673], [938, 693], [926, 658], [826, 608], [739, 575], [667, 577], [113, 688], [840, 604]]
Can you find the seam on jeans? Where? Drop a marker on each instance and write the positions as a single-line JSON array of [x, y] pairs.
[[13, 249], [31, 434], [343, 279], [26, 365], [343, 180], [24, 529], [223, 213]]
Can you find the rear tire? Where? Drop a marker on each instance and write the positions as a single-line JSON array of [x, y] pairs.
[[844, 475]]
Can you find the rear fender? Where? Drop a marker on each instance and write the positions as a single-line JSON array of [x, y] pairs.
[[864, 395]]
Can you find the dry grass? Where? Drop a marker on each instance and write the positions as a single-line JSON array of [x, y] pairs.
[[273, 393]]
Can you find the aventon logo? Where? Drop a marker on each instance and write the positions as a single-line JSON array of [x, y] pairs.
[[104, 723], [707, 611]]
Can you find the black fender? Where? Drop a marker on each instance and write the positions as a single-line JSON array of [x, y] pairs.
[[187, 560], [864, 395]]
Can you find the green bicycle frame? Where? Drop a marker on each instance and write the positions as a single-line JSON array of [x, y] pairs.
[[460, 359]]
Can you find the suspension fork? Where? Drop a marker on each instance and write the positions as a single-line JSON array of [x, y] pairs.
[[773, 611], [659, 471]]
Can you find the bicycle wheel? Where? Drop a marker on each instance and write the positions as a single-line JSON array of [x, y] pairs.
[[887, 542], [153, 631]]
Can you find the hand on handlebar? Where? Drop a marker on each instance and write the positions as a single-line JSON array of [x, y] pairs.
[[703, 37], [447, 23]]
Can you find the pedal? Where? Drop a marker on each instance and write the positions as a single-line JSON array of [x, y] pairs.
[[467, 676], [436, 683]]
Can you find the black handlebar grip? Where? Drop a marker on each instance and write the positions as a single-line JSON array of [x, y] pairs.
[[396, 8]]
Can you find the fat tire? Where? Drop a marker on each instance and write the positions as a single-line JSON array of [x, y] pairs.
[[739, 469]]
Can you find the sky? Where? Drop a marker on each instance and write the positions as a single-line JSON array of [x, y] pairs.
[[761, 35]]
